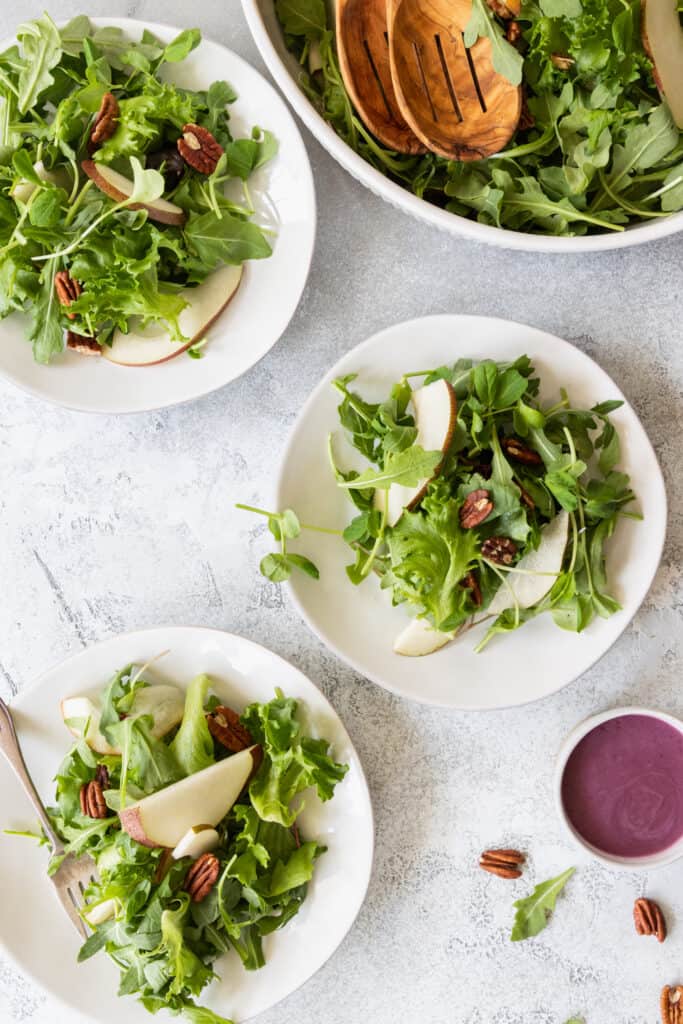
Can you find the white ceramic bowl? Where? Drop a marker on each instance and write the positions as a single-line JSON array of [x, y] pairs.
[[284, 199], [265, 29], [660, 859]]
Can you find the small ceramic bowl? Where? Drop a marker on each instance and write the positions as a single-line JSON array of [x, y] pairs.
[[663, 857]]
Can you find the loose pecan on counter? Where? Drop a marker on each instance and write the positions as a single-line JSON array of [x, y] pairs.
[[225, 726], [199, 149], [648, 919], [503, 863], [93, 804], [671, 1004], [475, 508], [201, 877]]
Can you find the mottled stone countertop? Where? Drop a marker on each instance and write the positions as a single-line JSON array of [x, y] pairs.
[[125, 523]]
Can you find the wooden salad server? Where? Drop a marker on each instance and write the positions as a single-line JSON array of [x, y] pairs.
[[451, 96], [363, 48]]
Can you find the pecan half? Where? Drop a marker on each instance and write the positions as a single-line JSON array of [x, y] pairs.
[[201, 877], [475, 508], [526, 118], [513, 32], [225, 726], [93, 804], [80, 343], [505, 9], [472, 585], [561, 61], [106, 121], [102, 776], [648, 919], [199, 149], [500, 550], [520, 452], [68, 289], [503, 863], [671, 1004]]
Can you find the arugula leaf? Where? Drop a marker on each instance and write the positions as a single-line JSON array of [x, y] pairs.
[[228, 240], [405, 467], [46, 332], [507, 61], [42, 51], [302, 17], [533, 911]]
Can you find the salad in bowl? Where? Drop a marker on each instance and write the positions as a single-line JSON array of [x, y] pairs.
[[598, 149], [125, 213]]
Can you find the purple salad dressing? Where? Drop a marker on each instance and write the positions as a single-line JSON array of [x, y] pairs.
[[622, 787]]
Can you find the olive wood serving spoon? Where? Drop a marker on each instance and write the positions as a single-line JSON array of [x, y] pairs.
[[451, 96], [363, 48]]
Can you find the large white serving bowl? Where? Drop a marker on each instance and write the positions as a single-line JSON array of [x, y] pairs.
[[265, 29], [359, 623], [284, 199], [36, 934]]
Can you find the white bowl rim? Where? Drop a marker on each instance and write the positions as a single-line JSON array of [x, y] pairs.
[[453, 223], [656, 860]]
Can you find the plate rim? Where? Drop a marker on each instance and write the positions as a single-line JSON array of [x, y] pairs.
[[460, 319], [397, 196], [18, 699], [132, 25]]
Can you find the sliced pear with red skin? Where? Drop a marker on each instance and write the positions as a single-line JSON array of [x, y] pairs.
[[119, 188], [165, 703], [435, 412], [663, 41], [163, 818], [538, 570], [152, 345], [198, 840]]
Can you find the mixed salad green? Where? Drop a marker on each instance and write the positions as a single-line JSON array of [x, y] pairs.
[[123, 266], [595, 150], [164, 942], [507, 520]]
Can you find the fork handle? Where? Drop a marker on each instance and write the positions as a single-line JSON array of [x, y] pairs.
[[9, 746]]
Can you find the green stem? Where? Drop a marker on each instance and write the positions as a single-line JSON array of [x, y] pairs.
[[77, 203]]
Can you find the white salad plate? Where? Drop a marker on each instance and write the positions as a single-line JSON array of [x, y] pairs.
[[284, 200], [34, 931], [359, 623], [283, 66]]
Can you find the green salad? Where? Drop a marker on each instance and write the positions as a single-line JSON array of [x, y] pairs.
[[478, 504], [113, 201], [596, 148], [166, 913]]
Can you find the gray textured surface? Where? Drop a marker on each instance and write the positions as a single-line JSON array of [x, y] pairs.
[[117, 524]]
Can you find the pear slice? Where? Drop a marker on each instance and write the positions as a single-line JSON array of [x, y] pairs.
[[546, 558], [23, 190], [118, 187], [419, 638], [663, 41], [165, 703], [164, 818], [100, 912], [435, 411], [152, 345], [198, 840]]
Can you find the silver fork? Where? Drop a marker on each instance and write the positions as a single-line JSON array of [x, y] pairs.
[[74, 874]]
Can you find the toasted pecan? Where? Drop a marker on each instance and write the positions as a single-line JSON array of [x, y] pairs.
[[648, 918], [68, 289], [500, 550], [84, 345], [225, 726], [92, 801], [476, 507], [199, 149], [671, 1004], [504, 863], [201, 877], [106, 121]]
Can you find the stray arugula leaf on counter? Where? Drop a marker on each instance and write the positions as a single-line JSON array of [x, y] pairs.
[[533, 912], [284, 526], [597, 149], [164, 943], [54, 218]]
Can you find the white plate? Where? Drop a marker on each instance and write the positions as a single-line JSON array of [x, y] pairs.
[[359, 624], [284, 198], [33, 928], [268, 36]]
